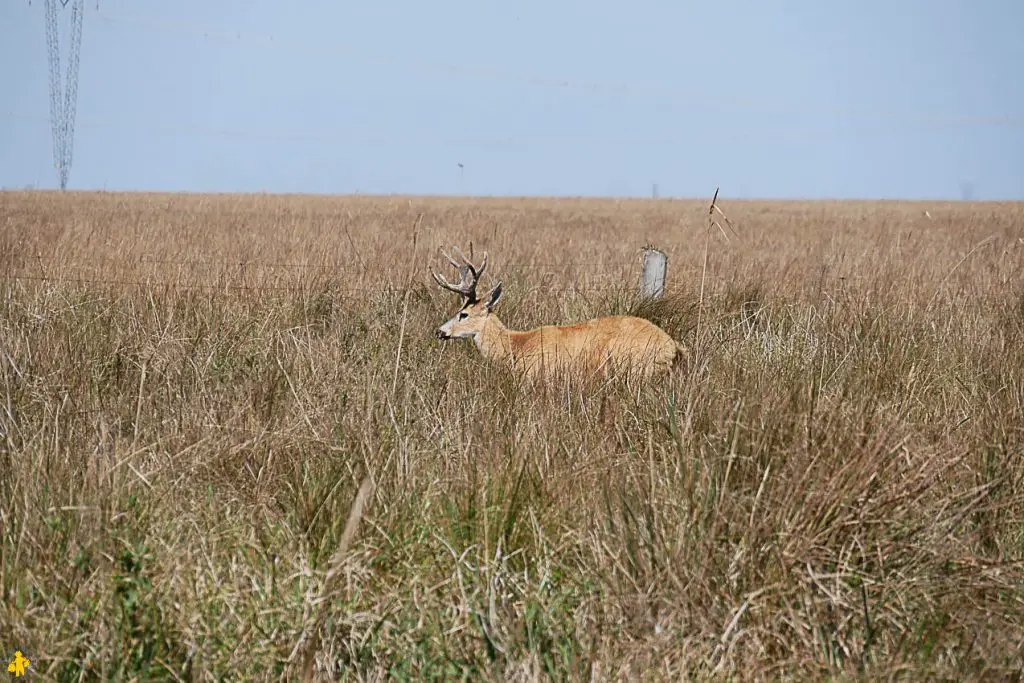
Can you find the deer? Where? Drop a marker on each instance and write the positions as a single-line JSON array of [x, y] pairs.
[[600, 345]]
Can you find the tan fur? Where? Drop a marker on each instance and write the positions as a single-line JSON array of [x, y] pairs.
[[602, 345]]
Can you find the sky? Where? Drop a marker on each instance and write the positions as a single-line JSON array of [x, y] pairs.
[[913, 99]]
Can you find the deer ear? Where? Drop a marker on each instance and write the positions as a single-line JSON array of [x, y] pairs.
[[494, 296]]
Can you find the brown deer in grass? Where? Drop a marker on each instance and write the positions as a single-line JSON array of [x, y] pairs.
[[619, 342]]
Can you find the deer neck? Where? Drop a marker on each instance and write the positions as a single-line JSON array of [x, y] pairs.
[[493, 341]]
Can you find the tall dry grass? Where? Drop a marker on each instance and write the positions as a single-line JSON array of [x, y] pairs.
[[195, 388]]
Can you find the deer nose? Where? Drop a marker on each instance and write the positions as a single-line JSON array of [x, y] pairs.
[[441, 334]]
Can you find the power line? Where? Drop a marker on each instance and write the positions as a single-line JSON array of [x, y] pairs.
[[484, 72], [487, 73], [351, 137]]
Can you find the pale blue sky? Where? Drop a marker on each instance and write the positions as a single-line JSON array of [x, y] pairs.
[[798, 98]]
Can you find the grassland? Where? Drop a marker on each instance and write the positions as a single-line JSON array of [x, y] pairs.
[[194, 388]]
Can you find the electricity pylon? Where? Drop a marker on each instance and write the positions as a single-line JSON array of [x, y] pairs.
[[62, 109]]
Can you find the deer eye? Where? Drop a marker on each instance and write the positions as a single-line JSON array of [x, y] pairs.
[[463, 315]]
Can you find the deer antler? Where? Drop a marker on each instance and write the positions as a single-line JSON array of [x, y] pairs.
[[469, 275]]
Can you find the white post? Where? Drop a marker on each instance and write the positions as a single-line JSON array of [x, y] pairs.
[[652, 278]]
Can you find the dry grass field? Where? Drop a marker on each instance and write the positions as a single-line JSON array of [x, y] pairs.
[[194, 388]]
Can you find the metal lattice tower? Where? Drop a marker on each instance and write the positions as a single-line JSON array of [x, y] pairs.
[[63, 109]]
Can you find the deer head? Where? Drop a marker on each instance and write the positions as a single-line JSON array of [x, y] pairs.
[[470, 320]]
